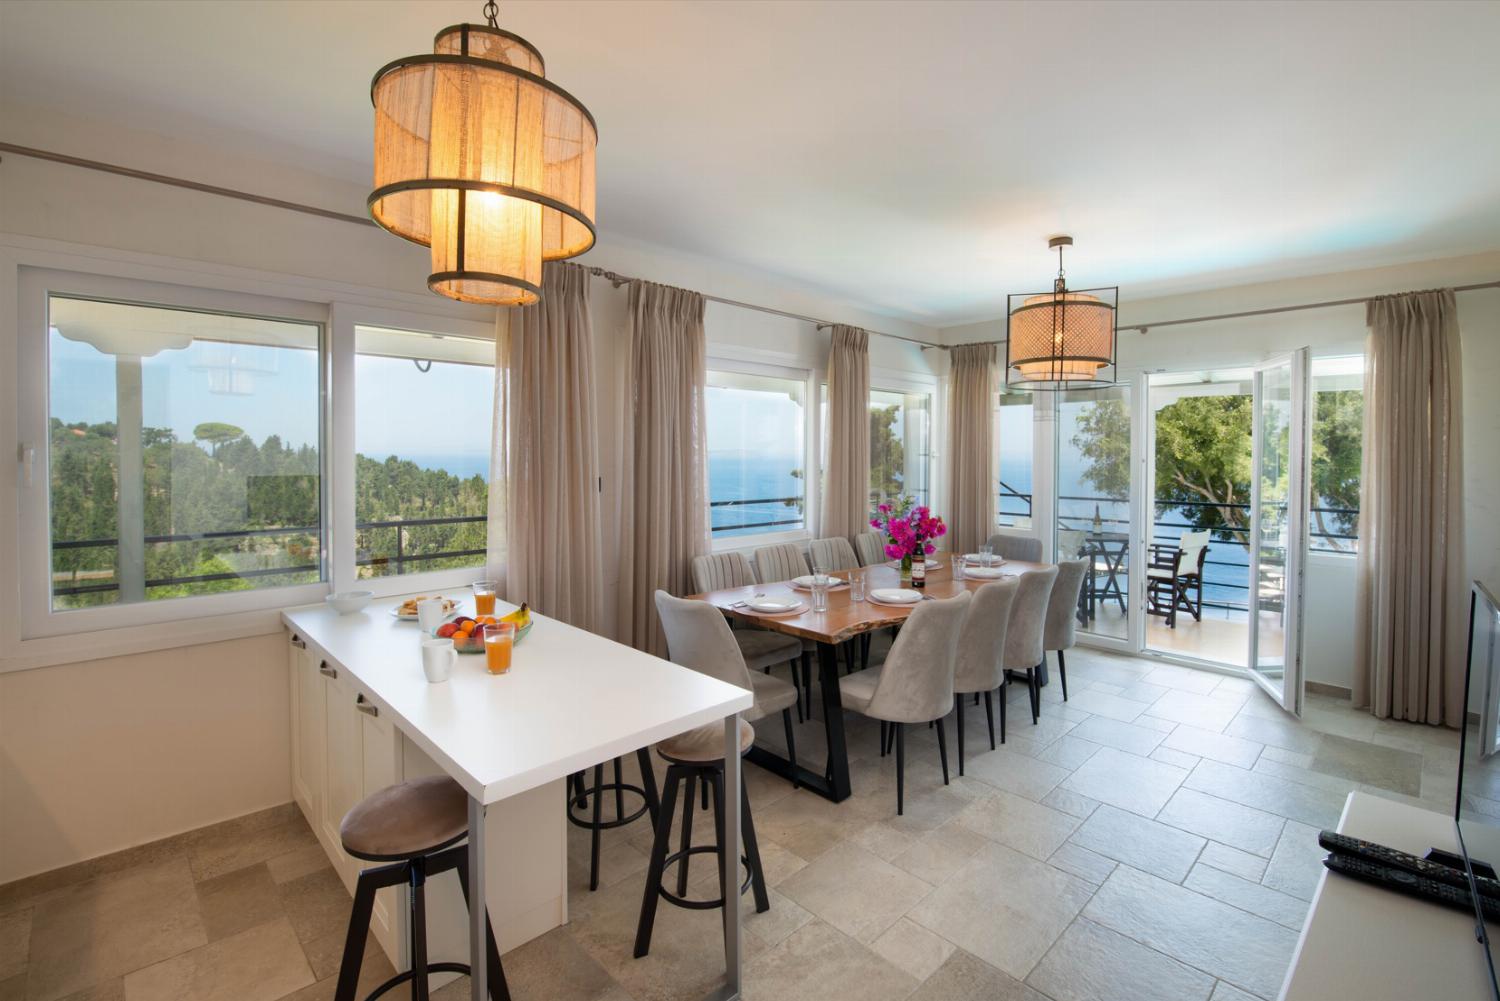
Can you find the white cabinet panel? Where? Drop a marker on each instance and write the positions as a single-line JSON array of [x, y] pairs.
[[307, 729]]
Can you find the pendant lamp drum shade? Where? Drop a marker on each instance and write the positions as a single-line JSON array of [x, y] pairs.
[[1061, 339], [481, 158]]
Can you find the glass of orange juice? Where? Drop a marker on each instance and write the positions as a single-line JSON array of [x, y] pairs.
[[498, 641], [484, 597]]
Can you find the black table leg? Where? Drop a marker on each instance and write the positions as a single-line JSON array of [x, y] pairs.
[[833, 780]]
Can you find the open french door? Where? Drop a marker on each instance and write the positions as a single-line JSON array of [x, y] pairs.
[[1278, 526]]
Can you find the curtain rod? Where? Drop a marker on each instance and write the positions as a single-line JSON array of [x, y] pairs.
[[617, 280], [178, 182]]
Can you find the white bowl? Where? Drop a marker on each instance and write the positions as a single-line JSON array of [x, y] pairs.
[[349, 602]]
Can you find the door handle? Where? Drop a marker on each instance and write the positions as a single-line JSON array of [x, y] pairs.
[[326, 671], [366, 707], [299, 642]]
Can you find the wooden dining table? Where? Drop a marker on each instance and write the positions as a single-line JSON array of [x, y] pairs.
[[844, 620]]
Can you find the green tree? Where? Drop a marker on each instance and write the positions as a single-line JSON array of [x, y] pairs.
[[216, 434], [887, 453], [1337, 449]]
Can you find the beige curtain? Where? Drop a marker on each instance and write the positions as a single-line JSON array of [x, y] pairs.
[[1411, 602], [663, 472], [552, 521], [846, 483], [971, 446]]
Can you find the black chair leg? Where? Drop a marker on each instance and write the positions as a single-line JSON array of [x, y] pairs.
[[807, 685], [797, 684], [989, 715], [943, 748], [354, 942], [598, 830], [1004, 693], [752, 852], [418, 932], [958, 712], [864, 651], [883, 725], [900, 767], [1062, 673], [1036, 695], [619, 791], [688, 806], [791, 745], [580, 794], [658, 861], [648, 783]]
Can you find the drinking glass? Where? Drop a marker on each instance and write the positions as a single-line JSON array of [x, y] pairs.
[[484, 597], [958, 566], [498, 642], [987, 552], [856, 587], [820, 589]]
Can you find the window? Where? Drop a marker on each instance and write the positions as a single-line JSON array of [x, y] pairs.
[[757, 442], [424, 405], [1338, 413], [900, 445], [182, 452], [1013, 446]]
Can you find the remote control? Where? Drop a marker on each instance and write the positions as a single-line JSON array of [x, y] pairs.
[[1358, 848], [1412, 885]]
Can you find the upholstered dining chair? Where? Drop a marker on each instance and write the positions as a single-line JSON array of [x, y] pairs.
[[761, 648], [977, 665], [1061, 628], [835, 553], [1023, 639], [915, 685], [699, 638], [870, 548], [783, 562], [1017, 547]]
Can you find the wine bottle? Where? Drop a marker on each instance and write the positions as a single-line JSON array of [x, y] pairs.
[[1098, 521], [919, 570]]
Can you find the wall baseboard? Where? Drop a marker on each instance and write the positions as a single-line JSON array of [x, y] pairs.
[[152, 851], [1318, 688]]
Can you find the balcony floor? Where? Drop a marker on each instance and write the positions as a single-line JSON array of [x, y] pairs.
[[1216, 639]]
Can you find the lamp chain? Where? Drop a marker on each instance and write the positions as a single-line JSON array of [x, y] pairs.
[[491, 12]]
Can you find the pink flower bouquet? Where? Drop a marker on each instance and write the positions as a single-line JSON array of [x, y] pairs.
[[908, 530]]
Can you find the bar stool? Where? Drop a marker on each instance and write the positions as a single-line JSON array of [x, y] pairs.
[[696, 756], [578, 800], [416, 826]]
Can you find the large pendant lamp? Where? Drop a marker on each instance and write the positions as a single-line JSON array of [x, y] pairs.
[[482, 158], [1061, 339]]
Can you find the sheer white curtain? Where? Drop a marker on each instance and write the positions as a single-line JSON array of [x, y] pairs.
[[1412, 601], [550, 506], [846, 490], [971, 446], [663, 469]]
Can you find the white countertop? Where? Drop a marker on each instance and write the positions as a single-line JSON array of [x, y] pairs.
[[1364, 943], [571, 699]]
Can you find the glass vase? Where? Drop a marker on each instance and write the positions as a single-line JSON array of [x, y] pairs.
[[906, 571]]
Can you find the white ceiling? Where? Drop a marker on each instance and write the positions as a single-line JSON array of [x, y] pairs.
[[912, 157]]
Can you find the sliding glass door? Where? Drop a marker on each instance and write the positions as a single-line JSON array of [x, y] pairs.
[[1278, 515]]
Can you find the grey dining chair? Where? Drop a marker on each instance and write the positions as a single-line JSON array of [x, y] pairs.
[[777, 563], [1023, 639], [915, 685], [761, 648], [699, 638], [977, 667], [870, 548], [835, 553], [1017, 547], [1061, 629]]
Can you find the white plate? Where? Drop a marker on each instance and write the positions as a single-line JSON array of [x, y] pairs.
[[805, 582], [985, 573], [775, 606], [979, 559], [931, 564], [449, 607], [895, 596]]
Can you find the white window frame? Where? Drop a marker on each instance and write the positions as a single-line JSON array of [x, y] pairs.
[[811, 460], [193, 284], [345, 317], [38, 618]]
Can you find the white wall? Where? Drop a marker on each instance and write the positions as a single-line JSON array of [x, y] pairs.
[[1335, 330], [102, 755]]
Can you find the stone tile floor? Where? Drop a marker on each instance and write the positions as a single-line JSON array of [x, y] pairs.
[[1154, 837]]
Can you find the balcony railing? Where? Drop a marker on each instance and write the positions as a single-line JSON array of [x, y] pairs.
[[400, 560], [790, 502]]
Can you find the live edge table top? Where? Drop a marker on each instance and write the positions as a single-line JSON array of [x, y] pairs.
[[845, 618]]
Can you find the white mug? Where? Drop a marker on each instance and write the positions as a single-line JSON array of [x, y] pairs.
[[438, 658], [430, 614]]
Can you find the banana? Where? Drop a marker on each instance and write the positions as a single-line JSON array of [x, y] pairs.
[[520, 617]]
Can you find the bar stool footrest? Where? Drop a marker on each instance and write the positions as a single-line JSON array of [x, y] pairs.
[[587, 823], [407, 975], [697, 905]]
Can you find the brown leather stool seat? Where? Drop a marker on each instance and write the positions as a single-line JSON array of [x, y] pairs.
[[703, 745], [410, 818], [414, 828]]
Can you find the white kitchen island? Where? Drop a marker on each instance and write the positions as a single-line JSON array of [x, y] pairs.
[[364, 716]]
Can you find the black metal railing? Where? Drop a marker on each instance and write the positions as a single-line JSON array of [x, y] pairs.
[[791, 502], [400, 560]]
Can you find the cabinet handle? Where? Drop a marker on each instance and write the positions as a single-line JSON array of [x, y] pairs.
[[299, 642], [326, 671], [368, 708]]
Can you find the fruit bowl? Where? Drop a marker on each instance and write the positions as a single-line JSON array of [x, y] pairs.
[[467, 632]]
